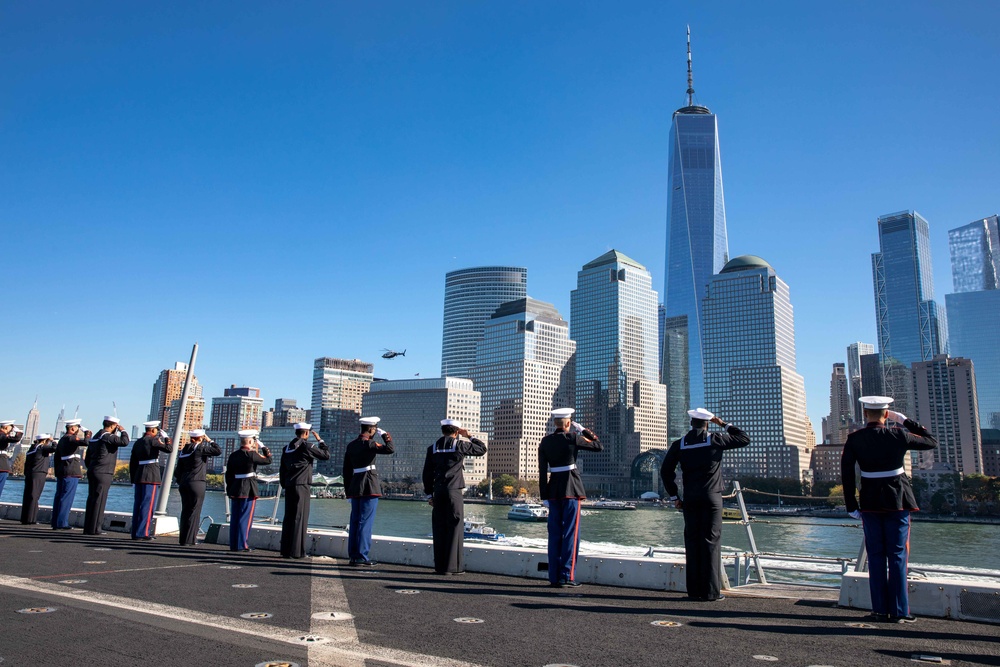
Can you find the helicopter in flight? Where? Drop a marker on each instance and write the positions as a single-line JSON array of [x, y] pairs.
[[392, 354]]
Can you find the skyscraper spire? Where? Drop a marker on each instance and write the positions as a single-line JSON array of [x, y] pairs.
[[690, 90]]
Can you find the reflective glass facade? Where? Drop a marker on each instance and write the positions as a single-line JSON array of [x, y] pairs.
[[973, 322], [412, 410], [975, 256], [697, 247], [337, 389], [470, 298], [911, 327], [524, 368], [750, 378], [855, 377], [618, 392]]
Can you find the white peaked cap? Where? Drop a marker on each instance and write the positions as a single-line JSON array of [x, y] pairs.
[[563, 413], [700, 413], [152, 424], [302, 426], [73, 422], [451, 422], [370, 421], [196, 432], [247, 433], [112, 419], [875, 402], [6, 422], [42, 436]]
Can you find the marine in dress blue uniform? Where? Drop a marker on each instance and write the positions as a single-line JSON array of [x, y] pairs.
[[9, 437], [887, 499], [190, 473], [241, 487], [699, 454], [36, 467], [295, 476], [362, 487], [144, 470], [69, 471], [559, 483], [444, 485], [101, 459]]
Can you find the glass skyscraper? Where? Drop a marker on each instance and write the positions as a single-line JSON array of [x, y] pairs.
[[911, 327], [973, 323], [975, 255], [750, 376], [697, 248], [470, 298], [613, 319], [855, 377], [524, 368]]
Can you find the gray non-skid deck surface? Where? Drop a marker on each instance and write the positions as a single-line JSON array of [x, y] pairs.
[[158, 603]]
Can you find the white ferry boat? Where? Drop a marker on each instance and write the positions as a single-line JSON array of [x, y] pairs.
[[613, 505], [528, 512]]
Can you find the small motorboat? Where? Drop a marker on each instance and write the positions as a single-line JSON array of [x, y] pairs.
[[613, 505], [476, 529]]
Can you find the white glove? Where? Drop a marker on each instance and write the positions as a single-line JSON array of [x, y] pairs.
[[855, 514], [575, 428], [897, 417], [379, 431]]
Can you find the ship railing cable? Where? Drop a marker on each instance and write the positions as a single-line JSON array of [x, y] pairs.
[[785, 495]]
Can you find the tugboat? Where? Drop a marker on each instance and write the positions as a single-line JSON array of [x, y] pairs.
[[528, 512], [476, 529]]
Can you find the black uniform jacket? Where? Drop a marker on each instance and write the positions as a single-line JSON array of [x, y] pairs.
[[361, 453], [102, 452], [444, 465], [192, 461], [557, 450], [67, 461], [878, 449], [297, 462], [36, 459], [244, 462], [5, 453], [700, 456], [147, 448]]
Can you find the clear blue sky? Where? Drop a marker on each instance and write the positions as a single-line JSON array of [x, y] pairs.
[[281, 183]]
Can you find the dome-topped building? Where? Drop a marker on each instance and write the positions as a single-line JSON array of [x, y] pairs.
[[744, 262]]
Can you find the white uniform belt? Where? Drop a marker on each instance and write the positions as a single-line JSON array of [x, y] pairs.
[[365, 469], [883, 473], [70, 458], [246, 476], [150, 461], [571, 466]]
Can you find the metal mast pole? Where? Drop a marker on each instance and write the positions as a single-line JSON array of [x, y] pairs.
[[161, 502]]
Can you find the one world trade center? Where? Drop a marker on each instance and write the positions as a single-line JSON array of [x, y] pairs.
[[697, 249]]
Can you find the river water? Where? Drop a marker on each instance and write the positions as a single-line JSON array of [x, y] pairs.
[[618, 532]]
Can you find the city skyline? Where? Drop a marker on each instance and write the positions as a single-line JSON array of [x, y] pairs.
[[546, 187]]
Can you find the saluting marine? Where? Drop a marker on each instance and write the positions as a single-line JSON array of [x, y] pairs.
[[362, 487], [192, 465], [560, 484], [241, 487], [9, 437], [699, 454], [886, 501], [101, 459], [444, 485], [68, 471], [144, 470], [295, 477], [36, 467]]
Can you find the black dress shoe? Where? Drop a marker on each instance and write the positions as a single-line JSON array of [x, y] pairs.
[[556, 584], [716, 599], [571, 584], [877, 618], [903, 619]]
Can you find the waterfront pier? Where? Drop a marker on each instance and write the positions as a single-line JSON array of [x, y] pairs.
[[110, 601]]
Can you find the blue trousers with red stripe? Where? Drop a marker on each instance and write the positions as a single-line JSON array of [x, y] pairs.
[[564, 543], [887, 540], [359, 537], [142, 509], [240, 521]]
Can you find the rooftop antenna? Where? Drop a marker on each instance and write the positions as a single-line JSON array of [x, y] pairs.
[[690, 90], [76, 413]]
